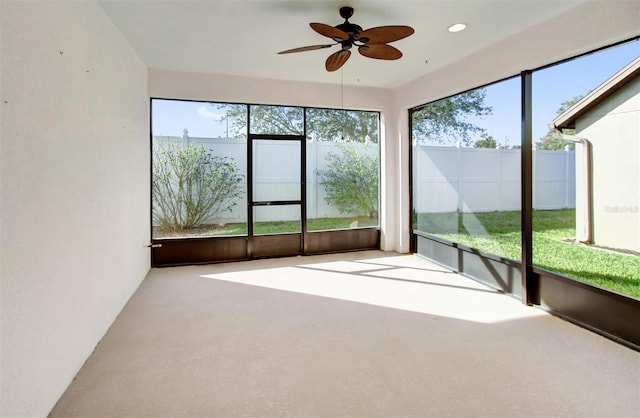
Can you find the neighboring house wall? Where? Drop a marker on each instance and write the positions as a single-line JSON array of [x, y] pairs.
[[613, 127], [74, 212]]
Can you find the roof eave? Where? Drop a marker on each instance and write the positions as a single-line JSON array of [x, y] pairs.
[[567, 119]]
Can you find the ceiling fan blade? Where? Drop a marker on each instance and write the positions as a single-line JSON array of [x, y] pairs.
[[330, 32], [381, 52], [384, 34], [337, 59], [306, 48]]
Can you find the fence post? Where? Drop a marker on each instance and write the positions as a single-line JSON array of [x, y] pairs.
[[458, 182], [566, 176], [499, 182], [534, 176]]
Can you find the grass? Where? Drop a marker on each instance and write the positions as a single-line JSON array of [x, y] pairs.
[[553, 247], [492, 232], [262, 228], [323, 224]]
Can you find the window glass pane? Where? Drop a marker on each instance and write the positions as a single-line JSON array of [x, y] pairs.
[[466, 168], [279, 219], [342, 169], [276, 170], [199, 169], [586, 222], [277, 120]]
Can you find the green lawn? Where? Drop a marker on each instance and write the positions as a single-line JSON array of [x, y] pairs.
[[493, 232], [260, 228], [499, 233]]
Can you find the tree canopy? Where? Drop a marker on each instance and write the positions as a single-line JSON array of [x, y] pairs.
[[442, 121], [343, 125], [445, 121], [551, 141], [487, 141], [322, 124]]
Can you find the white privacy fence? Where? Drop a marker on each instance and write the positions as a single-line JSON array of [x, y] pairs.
[[450, 179], [276, 173], [446, 179]]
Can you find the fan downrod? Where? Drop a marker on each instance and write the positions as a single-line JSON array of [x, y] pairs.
[[350, 28]]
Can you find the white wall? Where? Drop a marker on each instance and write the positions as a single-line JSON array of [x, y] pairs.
[[210, 87], [74, 214]]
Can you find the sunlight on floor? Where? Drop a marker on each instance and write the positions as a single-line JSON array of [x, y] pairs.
[[405, 282]]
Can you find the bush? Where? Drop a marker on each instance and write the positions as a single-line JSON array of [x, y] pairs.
[[190, 185], [351, 181]]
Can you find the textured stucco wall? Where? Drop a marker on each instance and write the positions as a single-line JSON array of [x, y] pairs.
[[74, 213], [613, 128]]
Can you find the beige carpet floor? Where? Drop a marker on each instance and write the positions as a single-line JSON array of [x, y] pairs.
[[366, 334]]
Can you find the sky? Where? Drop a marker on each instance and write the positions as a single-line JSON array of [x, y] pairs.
[[551, 87], [171, 117]]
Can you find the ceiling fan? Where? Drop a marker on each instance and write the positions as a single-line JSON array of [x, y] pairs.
[[371, 43]]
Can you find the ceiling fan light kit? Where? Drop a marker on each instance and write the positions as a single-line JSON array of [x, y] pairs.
[[371, 43]]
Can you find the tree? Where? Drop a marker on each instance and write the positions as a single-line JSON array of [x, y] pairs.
[[551, 141], [351, 181], [322, 124], [191, 185], [343, 125], [276, 120], [446, 120], [351, 177], [487, 141]]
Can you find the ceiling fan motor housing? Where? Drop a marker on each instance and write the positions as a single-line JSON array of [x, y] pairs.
[[351, 28]]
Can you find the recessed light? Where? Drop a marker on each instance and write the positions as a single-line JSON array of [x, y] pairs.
[[457, 27]]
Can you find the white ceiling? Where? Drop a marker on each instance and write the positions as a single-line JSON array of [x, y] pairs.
[[242, 37]]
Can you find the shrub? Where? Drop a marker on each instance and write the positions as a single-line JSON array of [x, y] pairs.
[[191, 185], [351, 181]]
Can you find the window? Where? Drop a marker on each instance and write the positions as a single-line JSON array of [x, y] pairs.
[[588, 228], [585, 174], [198, 169], [342, 169], [466, 169]]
